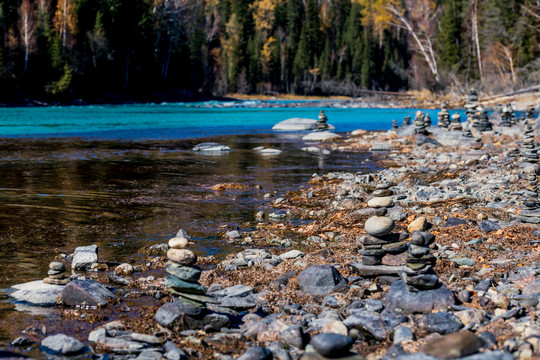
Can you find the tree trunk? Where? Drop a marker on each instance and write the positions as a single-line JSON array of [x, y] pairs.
[[476, 38]]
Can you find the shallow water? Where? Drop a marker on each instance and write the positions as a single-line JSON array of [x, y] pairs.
[[57, 194], [184, 120]]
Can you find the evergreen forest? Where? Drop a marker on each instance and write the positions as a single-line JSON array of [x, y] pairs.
[[54, 49]]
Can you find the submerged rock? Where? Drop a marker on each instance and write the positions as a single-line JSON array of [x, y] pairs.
[[298, 124], [62, 345], [37, 293]]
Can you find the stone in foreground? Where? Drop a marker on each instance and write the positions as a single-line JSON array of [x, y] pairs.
[[62, 345], [321, 280], [86, 292], [332, 345], [454, 345], [401, 300], [297, 124], [84, 257], [321, 136], [37, 293]]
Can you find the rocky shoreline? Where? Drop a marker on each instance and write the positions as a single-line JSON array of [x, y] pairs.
[[297, 291]]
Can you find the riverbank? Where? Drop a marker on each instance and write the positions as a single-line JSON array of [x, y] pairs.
[[470, 194]]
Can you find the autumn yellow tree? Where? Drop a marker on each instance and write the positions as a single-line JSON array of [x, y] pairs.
[[65, 21]]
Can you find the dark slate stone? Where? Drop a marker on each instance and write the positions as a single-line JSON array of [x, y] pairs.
[[369, 323], [423, 139], [256, 353], [488, 226], [212, 322], [483, 285], [170, 313], [88, 292], [399, 299], [321, 280], [332, 345], [440, 322], [454, 221]]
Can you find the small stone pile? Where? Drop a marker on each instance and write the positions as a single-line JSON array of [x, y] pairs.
[[322, 123], [443, 116], [183, 278], [531, 206], [57, 274], [456, 122], [506, 117], [528, 147], [467, 131], [421, 262], [379, 241], [482, 121], [427, 120], [406, 120], [472, 103], [420, 124], [394, 124], [529, 117]]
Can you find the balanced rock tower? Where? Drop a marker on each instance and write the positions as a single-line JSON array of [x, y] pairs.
[[443, 116], [506, 117], [456, 122], [482, 121], [394, 124], [322, 124], [528, 147], [407, 120], [420, 124], [530, 212], [57, 274]]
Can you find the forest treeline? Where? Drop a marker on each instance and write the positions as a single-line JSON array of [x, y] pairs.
[[56, 48]]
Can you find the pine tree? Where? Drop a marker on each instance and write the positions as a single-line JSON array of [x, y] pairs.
[[449, 41]]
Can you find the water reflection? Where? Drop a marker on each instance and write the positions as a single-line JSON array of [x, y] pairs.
[[56, 195]]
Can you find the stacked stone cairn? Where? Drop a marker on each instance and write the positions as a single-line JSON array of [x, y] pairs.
[[467, 131], [482, 121], [57, 274], [529, 117], [379, 240], [420, 262], [471, 104], [394, 124], [531, 207], [456, 122], [183, 278], [322, 123], [506, 117], [528, 147], [443, 116], [427, 120], [420, 124], [407, 120]]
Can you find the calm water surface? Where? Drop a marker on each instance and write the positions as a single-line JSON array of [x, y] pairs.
[[124, 193]]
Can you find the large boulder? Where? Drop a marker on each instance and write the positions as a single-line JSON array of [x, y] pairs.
[[321, 280], [86, 292], [37, 293], [61, 344], [298, 124]]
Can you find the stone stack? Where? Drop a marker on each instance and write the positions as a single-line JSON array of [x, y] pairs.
[[482, 121], [406, 120], [467, 131], [528, 147], [456, 122], [427, 120], [379, 240], [421, 262], [322, 123], [183, 278], [420, 124], [506, 117], [57, 274], [394, 124], [531, 207], [529, 117], [443, 116], [472, 103]]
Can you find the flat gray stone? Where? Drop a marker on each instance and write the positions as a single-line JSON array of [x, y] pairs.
[[170, 313], [37, 293], [440, 322], [321, 136], [298, 124], [211, 147], [256, 353], [234, 291], [84, 257], [61, 344]]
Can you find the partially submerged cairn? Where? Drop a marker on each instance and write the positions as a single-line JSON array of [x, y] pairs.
[[322, 123], [57, 274], [482, 121], [420, 124], [443, 116], [531, 207], [528, 147], [529, 115], [456, 122], [394, 124], [188, 310]]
